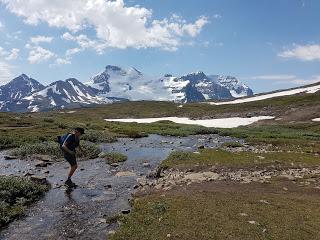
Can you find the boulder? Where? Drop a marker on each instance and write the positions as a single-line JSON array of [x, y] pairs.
[[41, 164], [38, 179], [10, 157]]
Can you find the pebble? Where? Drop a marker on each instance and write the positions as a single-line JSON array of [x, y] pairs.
[[9, 157], [146, 164], [126, 211]]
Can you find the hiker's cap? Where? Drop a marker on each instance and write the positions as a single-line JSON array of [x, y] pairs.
[[80, 130]]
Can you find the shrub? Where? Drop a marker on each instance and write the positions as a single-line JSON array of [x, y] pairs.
[[98, 137], [7, 142], [90, 150], [45, 148], [113, 157], [15, 193], [232, 144]]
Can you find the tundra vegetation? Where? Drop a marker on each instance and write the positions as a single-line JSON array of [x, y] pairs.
[[278, 208]]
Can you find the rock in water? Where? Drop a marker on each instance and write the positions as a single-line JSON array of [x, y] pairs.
[[10, 157], [39, 179]]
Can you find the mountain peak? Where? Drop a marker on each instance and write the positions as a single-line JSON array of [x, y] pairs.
[[195, 76], [113, 68]]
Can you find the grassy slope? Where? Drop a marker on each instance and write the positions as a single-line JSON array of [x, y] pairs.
[[218, 157], [17, 129], [204, 215]]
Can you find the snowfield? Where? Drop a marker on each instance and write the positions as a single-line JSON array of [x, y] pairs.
[[218, 122], [312, 89]]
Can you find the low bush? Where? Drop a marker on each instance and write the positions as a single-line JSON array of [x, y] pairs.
[[15, 194], [98, 136], [90, 150], [232, 144], [113, 157]]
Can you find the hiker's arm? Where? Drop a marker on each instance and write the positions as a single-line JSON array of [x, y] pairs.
[[65, 148]]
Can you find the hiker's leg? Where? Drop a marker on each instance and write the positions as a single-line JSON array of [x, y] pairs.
[[72, 170]]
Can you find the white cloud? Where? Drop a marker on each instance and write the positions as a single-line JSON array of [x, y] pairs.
[[14, 53], [274, 77], [1, 25], [313, 79], [287, 79], [9, 55], [5, 72], [40, 39], [84, 42], [38, 54], [72, 51], [302, 52], [62, 61], [115, 24]]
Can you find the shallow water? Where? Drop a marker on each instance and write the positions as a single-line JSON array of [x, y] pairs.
[[81, 214]]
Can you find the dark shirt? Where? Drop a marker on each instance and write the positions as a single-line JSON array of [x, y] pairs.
[[72, 142]]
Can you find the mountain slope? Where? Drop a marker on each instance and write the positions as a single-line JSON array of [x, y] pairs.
[[236, 88], [131, 84], [60, 94], [16, 89], [304, 89]]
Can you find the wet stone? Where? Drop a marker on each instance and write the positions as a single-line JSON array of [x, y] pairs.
[[39, 179], [126, 211], [10, 157]]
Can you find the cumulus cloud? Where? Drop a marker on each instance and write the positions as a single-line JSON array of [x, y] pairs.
[[5, 72], [41, 39], [14, 53], [9, 55], [38, 54], [116, 25], [302, 52]]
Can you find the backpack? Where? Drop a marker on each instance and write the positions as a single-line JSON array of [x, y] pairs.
[[61, 139]]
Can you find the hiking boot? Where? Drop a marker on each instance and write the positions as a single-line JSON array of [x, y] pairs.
[[70, 184]]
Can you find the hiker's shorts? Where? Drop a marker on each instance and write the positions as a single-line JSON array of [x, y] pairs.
[[71, 159]]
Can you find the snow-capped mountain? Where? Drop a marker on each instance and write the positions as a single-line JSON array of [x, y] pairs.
[[59, 94], [127, 83], [19, 87], [236, 88], [115, 82]]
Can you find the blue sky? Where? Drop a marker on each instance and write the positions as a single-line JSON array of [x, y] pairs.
[[268, 44]]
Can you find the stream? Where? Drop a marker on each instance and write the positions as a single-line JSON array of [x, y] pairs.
[[103, 191]]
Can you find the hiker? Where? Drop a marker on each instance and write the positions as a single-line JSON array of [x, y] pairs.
[[68, 144]]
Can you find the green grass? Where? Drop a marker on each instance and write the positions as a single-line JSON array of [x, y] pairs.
[[166, 128], [18, 129], [15, 194], [201, 215], [218, 157], [113, 157]]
